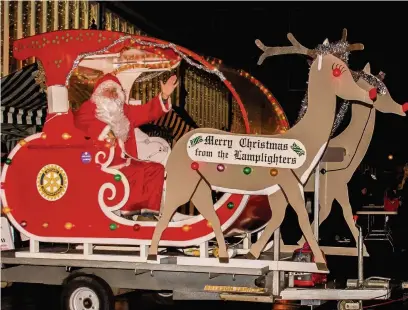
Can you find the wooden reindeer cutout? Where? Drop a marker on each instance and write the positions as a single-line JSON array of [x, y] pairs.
[[206, 159], [355, 139]]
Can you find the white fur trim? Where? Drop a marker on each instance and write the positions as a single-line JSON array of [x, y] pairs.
[[135, 102], [104, 133], [110, 110], [162, 103], [124, 153], [108, 84], [118, 167], [122, 147]]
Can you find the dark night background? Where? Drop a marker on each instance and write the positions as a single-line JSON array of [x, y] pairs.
[[227, 30]]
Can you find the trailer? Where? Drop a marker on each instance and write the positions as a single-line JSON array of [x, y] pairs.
[[92, 275], [92, 279], [78, 192]]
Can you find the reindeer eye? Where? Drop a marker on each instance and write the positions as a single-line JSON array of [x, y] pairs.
[[338, 70]]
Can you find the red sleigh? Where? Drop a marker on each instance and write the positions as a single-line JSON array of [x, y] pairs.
[[58, 186]]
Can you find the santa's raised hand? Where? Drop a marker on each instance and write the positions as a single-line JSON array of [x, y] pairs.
[[168, 87]]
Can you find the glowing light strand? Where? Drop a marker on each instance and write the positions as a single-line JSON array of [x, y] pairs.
[[151, 44]]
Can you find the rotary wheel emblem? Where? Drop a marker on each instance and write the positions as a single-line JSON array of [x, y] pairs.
[[52, 182]]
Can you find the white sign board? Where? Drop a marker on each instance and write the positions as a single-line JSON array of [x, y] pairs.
[[246, 150], [6, 239]]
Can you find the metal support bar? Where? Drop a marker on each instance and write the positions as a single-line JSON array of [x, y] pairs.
[[316, 202], [247, 242], [204, 249], [212, 275], [144, 249], [88, 248], [276, 289], [291, 279], [34, 246], [378, 234], [360, 256]]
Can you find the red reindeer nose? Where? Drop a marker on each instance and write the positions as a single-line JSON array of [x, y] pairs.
[[373, 94], [405, 107]]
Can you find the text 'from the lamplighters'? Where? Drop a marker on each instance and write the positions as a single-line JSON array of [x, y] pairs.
[[246, 150]]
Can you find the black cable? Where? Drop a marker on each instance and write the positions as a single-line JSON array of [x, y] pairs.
[[355, 151]]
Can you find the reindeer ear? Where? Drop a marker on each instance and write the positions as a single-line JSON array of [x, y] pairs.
[[326, 42], [381, 75], [367, 68]]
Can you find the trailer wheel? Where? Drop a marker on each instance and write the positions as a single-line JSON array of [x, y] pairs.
[[349, 304], [87, 293], [163, 298]]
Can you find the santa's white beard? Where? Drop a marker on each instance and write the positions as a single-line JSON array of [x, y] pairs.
[[110, 111]]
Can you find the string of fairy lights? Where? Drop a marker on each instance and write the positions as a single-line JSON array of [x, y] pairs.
[[27, 18], [283, 122], [207, 98]]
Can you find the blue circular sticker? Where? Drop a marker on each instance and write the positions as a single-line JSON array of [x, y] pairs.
[[86, 157]]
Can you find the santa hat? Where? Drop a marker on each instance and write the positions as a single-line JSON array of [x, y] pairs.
[[108, 80]]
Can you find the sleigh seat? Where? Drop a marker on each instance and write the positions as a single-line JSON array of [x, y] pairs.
[[153, 149]]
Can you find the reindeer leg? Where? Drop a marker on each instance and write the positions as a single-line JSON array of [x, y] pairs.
[[282, 244], [343, 199], [172, 202], [295, 196], [278, 206], [202, 200], [161, 225], [325, 209]]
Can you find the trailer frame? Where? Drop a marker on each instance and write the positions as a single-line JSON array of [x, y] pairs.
[[189, 278]]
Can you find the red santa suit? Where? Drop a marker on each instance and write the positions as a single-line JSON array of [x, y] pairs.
[[101, 116]]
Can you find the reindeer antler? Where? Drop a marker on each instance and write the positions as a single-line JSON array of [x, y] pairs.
[[344, 35], [355, 47], [296, 48], [351, 47]]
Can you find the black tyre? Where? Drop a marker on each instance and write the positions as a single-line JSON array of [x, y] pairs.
[[164, 298], [134, 300], [87, 293]]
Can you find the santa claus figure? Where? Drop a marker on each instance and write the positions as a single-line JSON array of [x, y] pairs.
[[107, 117]]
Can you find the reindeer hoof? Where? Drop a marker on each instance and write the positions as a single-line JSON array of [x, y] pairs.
[[223, 260], [249, 255], [152, 257], [322, 267]]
